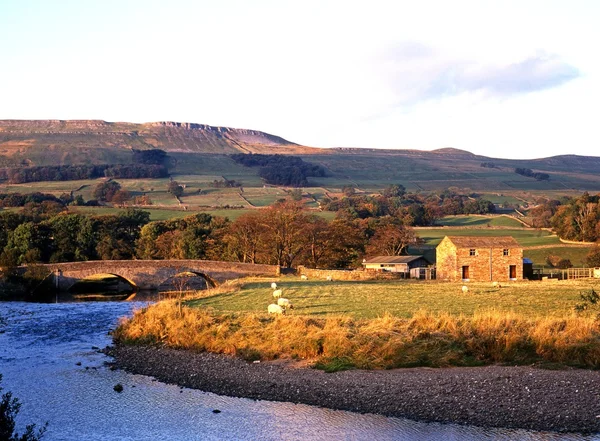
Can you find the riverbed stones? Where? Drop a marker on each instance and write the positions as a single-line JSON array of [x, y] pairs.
[[491, 396]]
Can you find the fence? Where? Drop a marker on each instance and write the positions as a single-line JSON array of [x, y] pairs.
[[566, 274]]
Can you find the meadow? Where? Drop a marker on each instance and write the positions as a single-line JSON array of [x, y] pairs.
[[402, 298], [379, 325]]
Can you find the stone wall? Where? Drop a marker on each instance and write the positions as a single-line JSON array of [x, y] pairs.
[[149, 274], [445, 256], [488, 263], [322, 274]]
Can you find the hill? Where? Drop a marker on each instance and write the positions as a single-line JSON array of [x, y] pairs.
[[43, 142], [201, 150]]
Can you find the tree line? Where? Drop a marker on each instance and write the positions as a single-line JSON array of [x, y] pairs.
[[281, 169], [413, 208], [283, 234], [538, 176], [80, 172]]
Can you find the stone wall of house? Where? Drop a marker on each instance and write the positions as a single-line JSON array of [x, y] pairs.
[[445, 256], [488, 264]]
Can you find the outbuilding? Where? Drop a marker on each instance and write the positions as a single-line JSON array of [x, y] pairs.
[[474, 258], [395, 264]]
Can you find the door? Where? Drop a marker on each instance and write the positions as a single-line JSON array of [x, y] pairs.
[[512, 271], [465, 272]]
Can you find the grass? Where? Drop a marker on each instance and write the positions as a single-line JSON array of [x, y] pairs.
[[479, 221], [402, 298], [576, 254], [449, 337], [526, 237], [161, 214]]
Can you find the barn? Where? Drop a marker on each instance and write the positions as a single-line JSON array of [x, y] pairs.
[[395, 264], [472, 258]]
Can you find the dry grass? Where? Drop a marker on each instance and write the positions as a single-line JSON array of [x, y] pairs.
[[338, 342]]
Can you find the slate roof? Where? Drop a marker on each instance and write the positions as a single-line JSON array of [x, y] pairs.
[[392, 259], [484, 242]]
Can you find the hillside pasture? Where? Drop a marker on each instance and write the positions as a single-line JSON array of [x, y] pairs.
[[526, 237], [479, 221], [576, 254], [157, 214]]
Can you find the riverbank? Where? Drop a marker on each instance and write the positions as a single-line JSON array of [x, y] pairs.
[[491, 396]]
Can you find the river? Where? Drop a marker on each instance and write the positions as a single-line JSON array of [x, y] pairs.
[[50, 360]]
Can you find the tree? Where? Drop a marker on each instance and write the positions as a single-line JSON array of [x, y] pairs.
[[394, 191], [242, 238], [391, 240], [73, 238], [175, 189], [9, 408], [593, 257], [282, 232], [105, 191], [348, 190], [120, 197], [296, 194], [142, 200]]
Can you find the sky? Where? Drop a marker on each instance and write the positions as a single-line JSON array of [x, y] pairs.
[[505, 79]]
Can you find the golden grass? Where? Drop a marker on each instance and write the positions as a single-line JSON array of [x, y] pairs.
[[336, 342]]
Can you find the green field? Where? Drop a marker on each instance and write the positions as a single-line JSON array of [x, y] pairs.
[[527, 237], [403, 298], [479, 221], [161, 214], [576, 254]]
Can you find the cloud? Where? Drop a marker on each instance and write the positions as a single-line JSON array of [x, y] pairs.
[[536, 73], [418, 73]]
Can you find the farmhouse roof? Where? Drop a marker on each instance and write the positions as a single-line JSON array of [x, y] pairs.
[[392, 259], [484, 242]]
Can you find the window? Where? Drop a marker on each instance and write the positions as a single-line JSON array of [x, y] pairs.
[[472, 252], [505, 252]]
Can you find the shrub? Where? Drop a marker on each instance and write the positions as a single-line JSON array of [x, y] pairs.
[[9, 408]]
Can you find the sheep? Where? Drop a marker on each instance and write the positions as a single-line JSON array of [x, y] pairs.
[[274, 285], [285, 303], [465, 289], [304, 277], [496, 285], [275, 309], [278, 293], [329, 278]]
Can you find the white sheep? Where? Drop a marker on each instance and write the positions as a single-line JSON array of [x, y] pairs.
[[304, 277], [496, 285], [278, 293], [274, 285], [329, 278], [285, 303], [275, 309], [465, 289]]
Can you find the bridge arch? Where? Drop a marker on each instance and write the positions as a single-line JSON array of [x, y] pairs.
[[95, 278], [181, 273]]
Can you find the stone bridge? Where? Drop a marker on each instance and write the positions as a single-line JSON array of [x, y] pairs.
[[150, 274]]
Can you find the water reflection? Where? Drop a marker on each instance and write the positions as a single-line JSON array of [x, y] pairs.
[[42, 344]]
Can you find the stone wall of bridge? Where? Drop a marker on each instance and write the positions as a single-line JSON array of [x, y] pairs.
[[150, 274]]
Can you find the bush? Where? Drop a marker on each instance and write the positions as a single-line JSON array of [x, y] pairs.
[[9, 408]]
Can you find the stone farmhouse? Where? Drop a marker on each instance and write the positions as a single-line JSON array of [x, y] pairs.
[[480, 259]]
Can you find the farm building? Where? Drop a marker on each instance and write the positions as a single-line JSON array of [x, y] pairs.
[[479, 259], [395, 264]]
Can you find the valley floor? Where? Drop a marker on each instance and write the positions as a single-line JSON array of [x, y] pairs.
[[492, 396]]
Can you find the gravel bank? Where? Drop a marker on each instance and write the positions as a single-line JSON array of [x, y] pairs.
[[493, 396]]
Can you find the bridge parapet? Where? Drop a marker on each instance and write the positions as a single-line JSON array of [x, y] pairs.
[[149, 274]]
